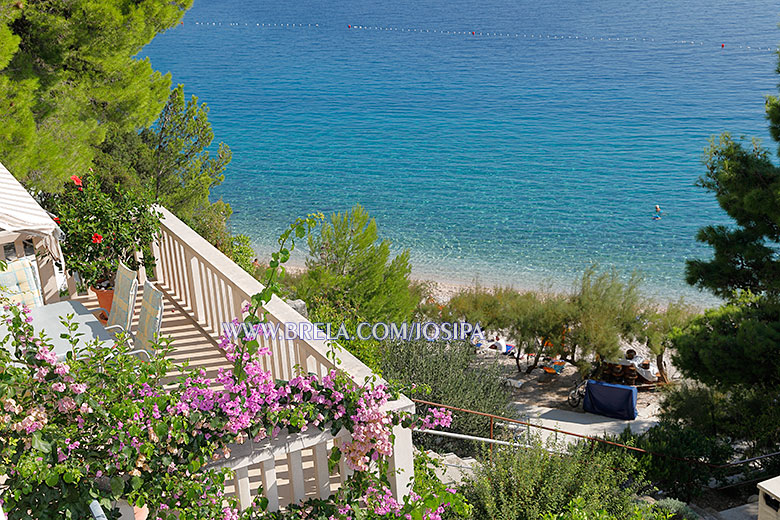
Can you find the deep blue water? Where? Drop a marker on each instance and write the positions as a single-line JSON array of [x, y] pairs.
[[520, 154]]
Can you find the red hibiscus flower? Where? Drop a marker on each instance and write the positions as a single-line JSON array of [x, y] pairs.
[[76, 180], [96, 239], [56, 219]]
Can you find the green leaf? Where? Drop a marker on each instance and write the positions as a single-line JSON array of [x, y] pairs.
[[136, 482], [39, 444], [194, 466], [52, 480], [68, 477], [117, 486]]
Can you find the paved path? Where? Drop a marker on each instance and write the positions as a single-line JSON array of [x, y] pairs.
[[583, 423], [746, 512]]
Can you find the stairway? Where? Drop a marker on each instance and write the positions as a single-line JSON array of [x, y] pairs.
[[451, 468]]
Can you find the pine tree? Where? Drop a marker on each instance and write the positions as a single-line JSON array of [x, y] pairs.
[[349, 266], [68, 74]]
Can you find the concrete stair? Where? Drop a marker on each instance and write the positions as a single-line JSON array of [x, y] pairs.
[[451, 468]]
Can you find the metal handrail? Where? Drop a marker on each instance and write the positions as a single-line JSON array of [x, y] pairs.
[[494, 417]]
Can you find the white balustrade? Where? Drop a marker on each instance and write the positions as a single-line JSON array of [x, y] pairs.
[[211, 288]]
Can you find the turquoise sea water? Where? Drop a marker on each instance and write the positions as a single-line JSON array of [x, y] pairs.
[[519, 154]]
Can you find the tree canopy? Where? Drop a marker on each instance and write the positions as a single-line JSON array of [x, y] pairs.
[[736, 344], [68, 74], [746, 185], [349, 266]]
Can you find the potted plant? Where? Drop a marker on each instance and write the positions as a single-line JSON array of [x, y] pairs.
[[102, 229]]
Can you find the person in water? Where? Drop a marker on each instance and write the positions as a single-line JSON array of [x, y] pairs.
[[658, 212]]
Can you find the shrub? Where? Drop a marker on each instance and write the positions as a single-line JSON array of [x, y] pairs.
[[426, 482], [101, 425], [602, 309], [529, 483], [575, 511], [349, 266], [681, 479], [451, 373], [748, 416], [733, 345], [102, 230], [676, 509], [366, 350]]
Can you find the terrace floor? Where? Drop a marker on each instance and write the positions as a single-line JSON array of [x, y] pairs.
[[192, 343]]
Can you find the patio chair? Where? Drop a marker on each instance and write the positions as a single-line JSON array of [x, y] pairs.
[[149, 320], [617, 373], [630, 375], [123, 304], [20, 283]]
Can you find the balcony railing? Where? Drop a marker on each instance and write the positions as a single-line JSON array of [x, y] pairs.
[[211, 288]]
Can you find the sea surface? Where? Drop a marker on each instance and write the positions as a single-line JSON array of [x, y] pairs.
[[508, 142]]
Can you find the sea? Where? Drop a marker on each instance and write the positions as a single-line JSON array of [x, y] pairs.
[[502, 142]]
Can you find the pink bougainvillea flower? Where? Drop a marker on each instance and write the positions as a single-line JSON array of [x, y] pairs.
[[76, 180], [96, 238]]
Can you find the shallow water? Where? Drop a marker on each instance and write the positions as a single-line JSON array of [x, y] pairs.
[[518, 155]]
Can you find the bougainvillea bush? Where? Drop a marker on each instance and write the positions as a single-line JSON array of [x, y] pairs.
[[101, 424]]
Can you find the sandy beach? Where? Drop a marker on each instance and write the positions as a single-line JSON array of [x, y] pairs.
[[443, 288]]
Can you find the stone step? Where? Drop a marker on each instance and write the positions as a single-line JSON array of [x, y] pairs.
[[452, 469]]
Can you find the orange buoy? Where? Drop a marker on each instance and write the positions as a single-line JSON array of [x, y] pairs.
[[349, 27], [472, 32], [722, 45]]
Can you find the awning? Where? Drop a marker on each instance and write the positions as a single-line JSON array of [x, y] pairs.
[[20, 213]]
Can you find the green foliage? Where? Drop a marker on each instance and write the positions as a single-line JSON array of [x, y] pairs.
[[488, 307], [365, 497], [182, 169], [576, 510], [607, 309], [427, 483], [449, 371], [744, 416], [676, 509], [747, 186], [101, 230], [301, 228], [68, 74], [736, 344], [529, 483], [369, 351], [681, 479], [660, 325], [242, 252], [349, 266], [530, 318], [601, 310], [170, 161]]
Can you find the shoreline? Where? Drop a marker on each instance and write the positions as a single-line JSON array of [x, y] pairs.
[[442, 289]]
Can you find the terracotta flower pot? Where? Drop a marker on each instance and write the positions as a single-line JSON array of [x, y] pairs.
[[105, 297]]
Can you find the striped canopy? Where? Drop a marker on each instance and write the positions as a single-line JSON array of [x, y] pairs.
[[20, 213]]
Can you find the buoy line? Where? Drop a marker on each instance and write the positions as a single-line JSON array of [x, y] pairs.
[[247, 24], [497, 34]]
